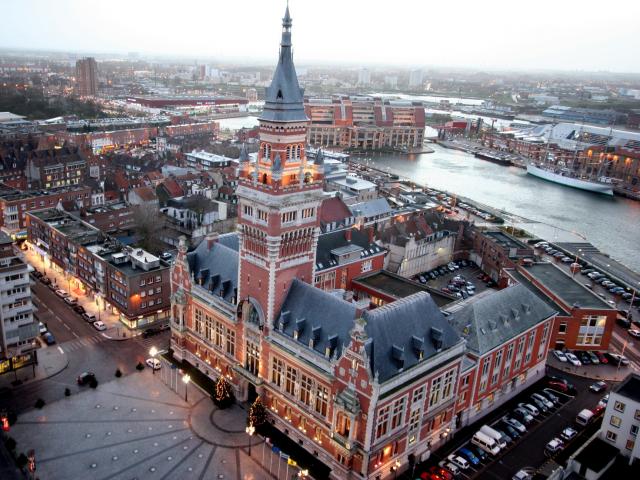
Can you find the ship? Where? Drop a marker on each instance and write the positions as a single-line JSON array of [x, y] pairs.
[[492, 157], [564, 177]]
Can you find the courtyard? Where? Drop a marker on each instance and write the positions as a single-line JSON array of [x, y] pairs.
[[136, 427]]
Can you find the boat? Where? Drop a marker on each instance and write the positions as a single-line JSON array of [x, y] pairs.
[[563, 177], [484, 155]]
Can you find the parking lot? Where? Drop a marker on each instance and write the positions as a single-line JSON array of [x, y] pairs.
[[527, 451], [469, 273]]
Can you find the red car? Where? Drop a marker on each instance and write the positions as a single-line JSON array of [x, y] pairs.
[[601, 357], [599, 410], [441, 472]]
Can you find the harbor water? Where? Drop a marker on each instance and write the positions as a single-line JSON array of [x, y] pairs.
[[560, 213], [610, 223]]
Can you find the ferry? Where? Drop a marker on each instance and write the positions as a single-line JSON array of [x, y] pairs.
[[564, 177]]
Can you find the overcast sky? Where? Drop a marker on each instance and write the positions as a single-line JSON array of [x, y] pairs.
[[539, 34]]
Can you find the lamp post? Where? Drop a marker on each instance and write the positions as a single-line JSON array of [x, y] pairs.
[[395, 467], [303, 473], [153, 352], [250, 431], [186, 378]]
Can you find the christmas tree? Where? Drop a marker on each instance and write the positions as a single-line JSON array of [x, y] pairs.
[[223, 395], [257, 413]]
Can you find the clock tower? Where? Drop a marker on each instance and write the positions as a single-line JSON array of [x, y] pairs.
[[279, 196]]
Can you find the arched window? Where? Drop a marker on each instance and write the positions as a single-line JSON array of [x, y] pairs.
[[266, 151], [264, 178], [289, 152]]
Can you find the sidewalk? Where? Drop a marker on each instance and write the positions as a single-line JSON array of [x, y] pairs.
[[51, 361], [597, 372], [69, 284]]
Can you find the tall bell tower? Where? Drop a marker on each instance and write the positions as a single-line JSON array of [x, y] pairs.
[[279, 196]]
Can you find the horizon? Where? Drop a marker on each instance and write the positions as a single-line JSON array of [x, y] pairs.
[[450, 43]]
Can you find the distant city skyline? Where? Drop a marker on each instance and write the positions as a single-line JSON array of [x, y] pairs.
[[570, 36]]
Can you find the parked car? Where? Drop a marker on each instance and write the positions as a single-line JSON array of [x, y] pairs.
[[88, 317], [49, 338], [480, 453], [601, 357], [560, 384], [99, 325], [635, 333], [560, 355], [554, 446], [550, 395], [572, 359], [542, 399], [583, 356], [515, 423], [42, 328], [604, 400], [458, 461], [61, 293], [79, 309], [469, 456], [85, 377], [440, 472], [617, 359], [593, 357], [568, 433], [508, 429], [530, 409], [70, 301], [598, 387], [45, 280], [455, 471], [166, 256], [522, 474], [539, 404]]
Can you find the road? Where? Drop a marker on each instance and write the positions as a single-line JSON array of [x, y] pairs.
[[85, 348]]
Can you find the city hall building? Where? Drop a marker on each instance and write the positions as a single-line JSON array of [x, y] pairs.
[[368, 392]]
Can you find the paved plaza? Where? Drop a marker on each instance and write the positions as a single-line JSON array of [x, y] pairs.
[[136, 427]]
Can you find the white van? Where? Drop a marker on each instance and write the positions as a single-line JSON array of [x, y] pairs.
[[584, 417], [486, 443], [490, 432]]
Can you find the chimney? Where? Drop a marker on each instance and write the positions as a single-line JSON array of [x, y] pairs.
[[347, 234], [372, 234], [211, 238]]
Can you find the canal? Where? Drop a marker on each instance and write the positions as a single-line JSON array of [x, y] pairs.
[[611, 224]]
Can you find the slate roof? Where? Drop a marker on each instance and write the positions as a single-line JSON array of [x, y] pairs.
[[417, 226], [230, 240], [284, 97], [216, 270], [405, 333], [316, 314], [494, 319], [332, 241], [371, 208]]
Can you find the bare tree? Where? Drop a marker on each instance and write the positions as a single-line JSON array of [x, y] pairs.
[[148, 225]]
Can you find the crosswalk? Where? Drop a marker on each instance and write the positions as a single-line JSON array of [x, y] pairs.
[[161, 342], [83, 342]]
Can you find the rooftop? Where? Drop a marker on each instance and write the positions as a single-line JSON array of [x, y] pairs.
[[399, 287], [491, 320], [597, 454], [355, 183], [505, 240], [564, 287], [630, 387]]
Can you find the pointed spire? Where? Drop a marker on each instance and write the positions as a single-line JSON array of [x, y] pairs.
[[284, 97], [319, 157]]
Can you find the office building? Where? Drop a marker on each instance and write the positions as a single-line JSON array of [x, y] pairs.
[[87, 77]]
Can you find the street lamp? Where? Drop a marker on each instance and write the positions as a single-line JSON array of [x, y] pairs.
[[303, 473], [250, 431], [153, 352], [395, 467], [186, 378]]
